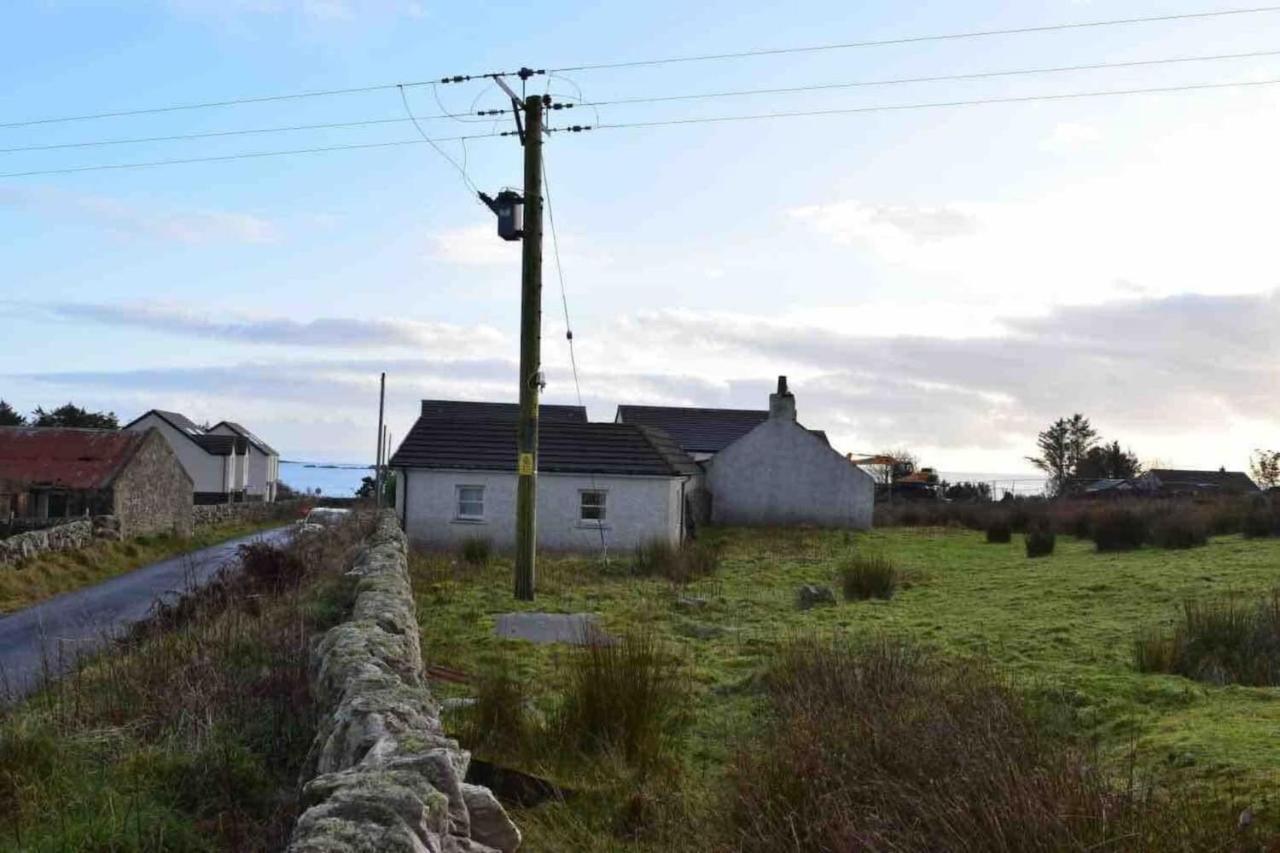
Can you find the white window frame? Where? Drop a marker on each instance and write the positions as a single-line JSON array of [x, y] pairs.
[[603, 506], [458, 514]]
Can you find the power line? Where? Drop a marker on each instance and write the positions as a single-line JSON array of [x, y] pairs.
[[181, 137], [746, 54], [919, 106], [977, 75], [243, 156], [454, 163]]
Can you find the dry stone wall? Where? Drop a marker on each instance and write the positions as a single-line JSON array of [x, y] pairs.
[[381, 775], [250, 511], [62, 537]]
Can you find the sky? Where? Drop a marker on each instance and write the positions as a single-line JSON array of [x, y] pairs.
[[948, 280]]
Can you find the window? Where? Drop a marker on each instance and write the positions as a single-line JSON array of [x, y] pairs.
[[592, 507], [470, 503]]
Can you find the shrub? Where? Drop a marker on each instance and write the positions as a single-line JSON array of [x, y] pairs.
[[868, 576], [884, 746], [1221, 642], [1119, 529], [1260, 523], [676, 563], [501, 718], [999, 531], [476, 550], [270, 566], [623, 697], [1180, 529], [1040, 541]]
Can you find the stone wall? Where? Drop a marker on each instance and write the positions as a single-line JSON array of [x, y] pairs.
[[381, 774], [63, 537], [254, 512], [153, 493]]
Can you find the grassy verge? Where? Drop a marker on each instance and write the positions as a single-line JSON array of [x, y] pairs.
[[1060, 628], [51, 574], [189, 734]]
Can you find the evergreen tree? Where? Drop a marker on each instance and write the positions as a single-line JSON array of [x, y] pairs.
[[9, 415], [72, 415]]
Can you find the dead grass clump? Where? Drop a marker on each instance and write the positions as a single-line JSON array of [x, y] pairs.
[[868, 576], [677, 563], [1040, 541], [1119, 529], [476, 551], [1228, 641], [1180, 529], [999, 531], [883, 746]]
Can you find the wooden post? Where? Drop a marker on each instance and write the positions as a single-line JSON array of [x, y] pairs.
[[377, 464], [530, 353]]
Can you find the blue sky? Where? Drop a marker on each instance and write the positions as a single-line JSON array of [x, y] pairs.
[[948, 280]]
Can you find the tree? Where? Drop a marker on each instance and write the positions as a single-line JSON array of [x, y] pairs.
[[966, 491], [368, 484], [1108, 462], [1063, 446], [9, 415], [72, 415], [1265, 467]]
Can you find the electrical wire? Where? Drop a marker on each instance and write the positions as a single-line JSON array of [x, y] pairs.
[[181, 137], [564, 302], [977, 75], [747, 54], [251, 155], [921, 106], [454, 163]]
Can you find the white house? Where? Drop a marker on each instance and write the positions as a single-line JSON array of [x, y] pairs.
[[599, 484], [781, 473], [218, 463], [261, 462]]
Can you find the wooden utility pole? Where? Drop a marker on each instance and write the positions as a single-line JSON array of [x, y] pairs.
[[377, 465], [530, 352]]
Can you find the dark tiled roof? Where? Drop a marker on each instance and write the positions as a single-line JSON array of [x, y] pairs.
[[499, 411], [180, 421], [700, 430], [248, 436], [221, 445], [1222, 481], [67, 458], [563, 447]]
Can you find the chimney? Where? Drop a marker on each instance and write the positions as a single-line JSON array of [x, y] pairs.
[[782, 403]]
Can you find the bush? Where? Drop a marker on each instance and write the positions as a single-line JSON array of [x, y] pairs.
[[1119, 529], [501, 718], [270, 566], [622, 697], [999, 531], [1040, 542], [1260, 523], [1180, 529], [676, 563], [476, 550], [1221, 642], [871, 576], [884, 746]]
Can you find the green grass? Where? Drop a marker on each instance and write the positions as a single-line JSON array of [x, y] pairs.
[[1062, 627], [43, 577]]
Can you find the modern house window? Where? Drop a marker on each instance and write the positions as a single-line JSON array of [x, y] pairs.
[[470, 503], [592, 506]]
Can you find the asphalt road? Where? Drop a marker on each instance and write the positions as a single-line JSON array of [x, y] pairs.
[[50, 636]]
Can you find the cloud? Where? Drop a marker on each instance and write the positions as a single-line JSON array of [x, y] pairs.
[[856, 221], [475, 246], [1070, 137], [327, 332], [188, 227]]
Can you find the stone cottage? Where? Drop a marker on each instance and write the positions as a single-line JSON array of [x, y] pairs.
[[50, 473]]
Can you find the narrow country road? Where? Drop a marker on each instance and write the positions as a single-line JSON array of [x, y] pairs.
[[52, 634]]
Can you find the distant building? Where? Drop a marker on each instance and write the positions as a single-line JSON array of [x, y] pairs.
[[700, 432], [1172, 482], [226, 463], [779, 473], [53, 472], [599, 484]]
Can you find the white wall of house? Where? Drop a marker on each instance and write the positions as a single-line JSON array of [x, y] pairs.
[[637, 509], [259, 470], [780, 473], [209, 473]]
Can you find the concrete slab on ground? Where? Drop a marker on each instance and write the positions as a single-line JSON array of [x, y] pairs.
[[577, 629]]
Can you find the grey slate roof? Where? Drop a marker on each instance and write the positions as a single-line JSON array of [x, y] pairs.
[[1220, 481], [248, 436], [700, 430], [563, 447], [499, 411], [220, 445]]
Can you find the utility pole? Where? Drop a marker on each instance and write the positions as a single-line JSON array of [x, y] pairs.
[[530, 352], [377, 465]]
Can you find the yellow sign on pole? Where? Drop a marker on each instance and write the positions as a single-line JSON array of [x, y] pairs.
[[526, 464]]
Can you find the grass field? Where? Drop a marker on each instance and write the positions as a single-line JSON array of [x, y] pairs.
[[1061, 627], [51, 574]]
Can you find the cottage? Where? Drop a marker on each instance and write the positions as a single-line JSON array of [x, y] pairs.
[[219, 463], [262, 463], [781, 473], [700, 432], [49, 473], [1172, 481], [600, 485]]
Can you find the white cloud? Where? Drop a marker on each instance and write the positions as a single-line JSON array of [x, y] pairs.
[[1070, 137], [475, 245]]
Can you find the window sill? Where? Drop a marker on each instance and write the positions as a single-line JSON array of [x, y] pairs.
[[594, 525], [468, 521]]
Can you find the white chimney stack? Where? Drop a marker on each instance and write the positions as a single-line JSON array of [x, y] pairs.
[[782, 403]]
